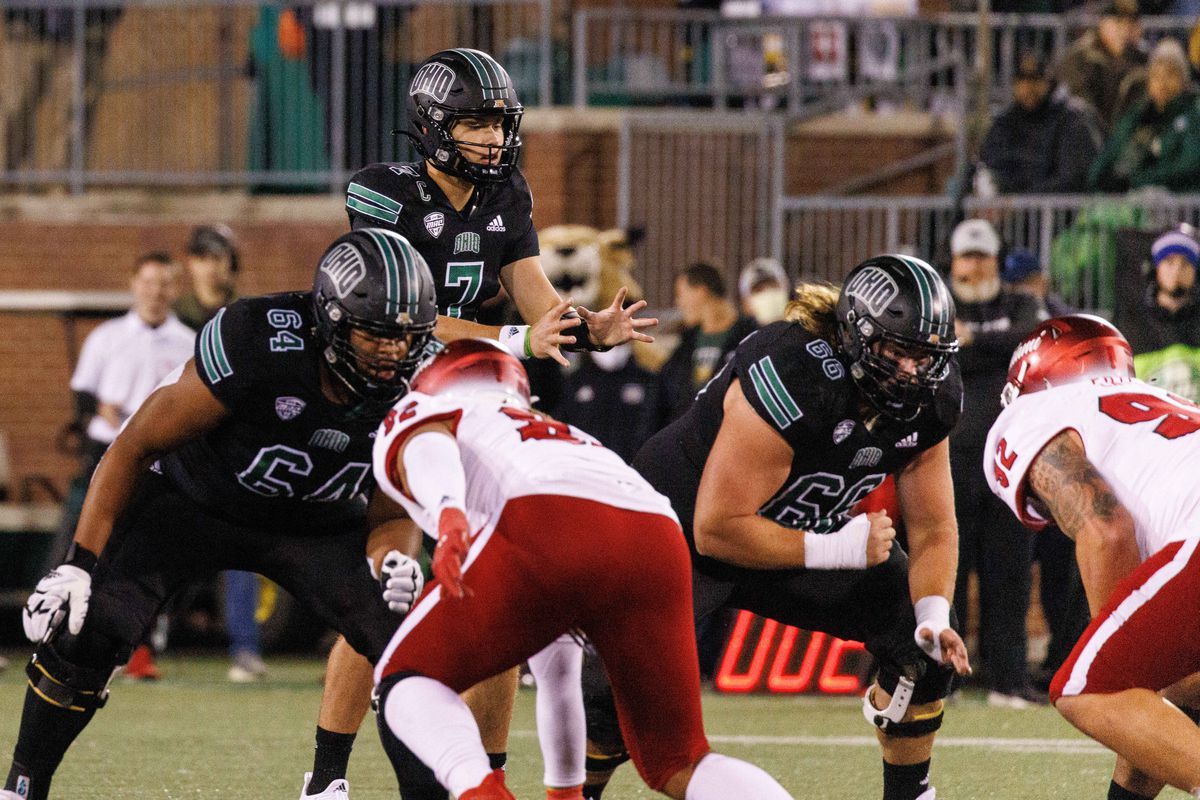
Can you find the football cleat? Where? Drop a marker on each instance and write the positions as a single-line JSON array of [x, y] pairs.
[[141, 666], [247, 667], [492, 788], [336, 790]]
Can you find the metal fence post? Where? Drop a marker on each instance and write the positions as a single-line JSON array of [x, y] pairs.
[[337, 101], [624, 169], [546, 53], [78, 99], [580, 58], [778, 165]]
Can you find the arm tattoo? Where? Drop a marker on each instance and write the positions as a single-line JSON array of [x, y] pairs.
[[1070, 487]]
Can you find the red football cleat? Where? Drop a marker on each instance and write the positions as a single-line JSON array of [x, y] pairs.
[[492, 788], [141, 666], [569, 793]]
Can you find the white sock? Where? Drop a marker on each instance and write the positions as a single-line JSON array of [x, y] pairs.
[[438, 727], [561, 725], [719, 777]]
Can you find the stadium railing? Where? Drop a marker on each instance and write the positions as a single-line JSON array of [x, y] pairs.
[[710, 186], [234, 92], [660, 57]]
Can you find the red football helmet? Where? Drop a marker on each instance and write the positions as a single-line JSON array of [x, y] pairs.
[[1065, 350], [471, 365]]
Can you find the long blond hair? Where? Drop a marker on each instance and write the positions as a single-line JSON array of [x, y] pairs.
[[814, 306]]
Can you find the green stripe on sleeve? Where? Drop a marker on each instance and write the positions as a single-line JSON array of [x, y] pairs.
[[764, 394], [354, 204], [781, 393], [375, 197]]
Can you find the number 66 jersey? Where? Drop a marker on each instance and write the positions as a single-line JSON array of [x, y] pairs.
[[1143, 440], [507, 452]]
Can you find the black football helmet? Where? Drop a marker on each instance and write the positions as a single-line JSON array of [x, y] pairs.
[[374, 281], [461, 83], [899, 300]]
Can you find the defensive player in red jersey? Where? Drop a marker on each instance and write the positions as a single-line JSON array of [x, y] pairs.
[[541, 531], [1113, 461]]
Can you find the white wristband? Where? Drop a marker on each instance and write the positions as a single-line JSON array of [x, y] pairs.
[[845, 548], [933, 614], [516, 339]]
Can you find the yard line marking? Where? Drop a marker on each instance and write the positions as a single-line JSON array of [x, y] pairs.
[[1059, 746]]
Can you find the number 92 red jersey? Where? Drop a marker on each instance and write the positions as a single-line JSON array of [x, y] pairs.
[[1145, 442]]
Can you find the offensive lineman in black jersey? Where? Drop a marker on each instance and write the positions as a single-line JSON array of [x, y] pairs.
[[468, 210], [254, 455], [766, 467]]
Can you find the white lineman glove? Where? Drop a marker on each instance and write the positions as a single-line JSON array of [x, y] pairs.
[[402, 581], [64, 591], [933, 615]]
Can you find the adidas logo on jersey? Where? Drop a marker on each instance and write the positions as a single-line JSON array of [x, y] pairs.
[[908, 441], [497, 225]]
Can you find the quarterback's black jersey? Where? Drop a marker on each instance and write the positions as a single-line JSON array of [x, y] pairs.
[[464, 249], [799, 386], [285, 454]]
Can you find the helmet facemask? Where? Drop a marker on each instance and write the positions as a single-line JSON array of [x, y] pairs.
[[365, 364], [447, 154], [898, 393]]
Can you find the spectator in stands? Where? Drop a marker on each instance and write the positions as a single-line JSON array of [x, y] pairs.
[[121, 363], [1104, 66], [764, 290], [1023, 273], [1157, 143], [713, 327], [1040, 144], [213, 262], [990, 322], [1165, 333]]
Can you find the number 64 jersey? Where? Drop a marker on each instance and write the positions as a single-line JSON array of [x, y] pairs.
[[1143, 440], [509, 451]]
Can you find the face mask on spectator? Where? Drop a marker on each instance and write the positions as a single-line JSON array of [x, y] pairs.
[[767, 305]]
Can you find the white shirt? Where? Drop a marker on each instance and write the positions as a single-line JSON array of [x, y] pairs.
[[124, 359], [1143, 440], [509, 452]]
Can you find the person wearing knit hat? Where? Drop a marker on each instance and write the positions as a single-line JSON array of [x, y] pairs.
[[1157, 142], [1176, 256]]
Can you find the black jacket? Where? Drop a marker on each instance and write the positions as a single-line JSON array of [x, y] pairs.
[[1049, 149], [998, 327], [675, 391], [1154, 327]]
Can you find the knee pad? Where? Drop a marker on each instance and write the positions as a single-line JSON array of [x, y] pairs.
[[891, 720], [66, 685]]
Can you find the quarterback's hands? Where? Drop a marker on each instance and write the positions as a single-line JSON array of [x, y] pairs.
[[65, 590], [935, 636], [547, 334], [880, 538], [616, 325], [454, 540], [402, 581]]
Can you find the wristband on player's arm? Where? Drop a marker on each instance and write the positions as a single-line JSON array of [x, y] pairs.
[[515, 339], [845, 548], [79, 556], [583, 337]]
